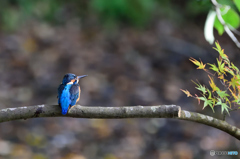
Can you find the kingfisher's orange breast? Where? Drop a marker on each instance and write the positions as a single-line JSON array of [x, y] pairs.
[[79, 94]]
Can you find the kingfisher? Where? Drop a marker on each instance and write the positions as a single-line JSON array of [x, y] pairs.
[[69, 92]]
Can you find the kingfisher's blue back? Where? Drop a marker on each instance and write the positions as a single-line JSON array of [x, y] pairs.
[[69, 92]]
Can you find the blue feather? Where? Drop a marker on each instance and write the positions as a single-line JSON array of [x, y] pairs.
[[60, 89], [64, 98]]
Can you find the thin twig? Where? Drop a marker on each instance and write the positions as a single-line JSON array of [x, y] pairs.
[[234, 30], [226, 28], [235, 109], [224, 115]]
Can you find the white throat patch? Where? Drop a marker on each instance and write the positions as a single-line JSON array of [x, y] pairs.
[[70, 83]]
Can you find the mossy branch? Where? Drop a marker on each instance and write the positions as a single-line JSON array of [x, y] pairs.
[[160, 111]]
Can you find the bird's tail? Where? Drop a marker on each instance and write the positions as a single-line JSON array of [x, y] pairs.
[[64, 103], [64, 111]]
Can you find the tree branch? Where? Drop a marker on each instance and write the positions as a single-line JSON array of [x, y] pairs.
[[161, 111]]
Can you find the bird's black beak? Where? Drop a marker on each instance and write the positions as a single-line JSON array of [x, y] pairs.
[[78, 77]]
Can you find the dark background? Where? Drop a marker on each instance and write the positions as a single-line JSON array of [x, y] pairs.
[[134, 53]]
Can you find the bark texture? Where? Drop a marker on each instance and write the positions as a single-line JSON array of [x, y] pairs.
[[160, 111]]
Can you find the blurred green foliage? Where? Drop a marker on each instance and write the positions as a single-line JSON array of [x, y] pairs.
[[14, 13], [135, 12], [198, 6], [230, 17], [226, 13]]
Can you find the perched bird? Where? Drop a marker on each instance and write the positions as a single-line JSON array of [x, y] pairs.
[[69, 92]]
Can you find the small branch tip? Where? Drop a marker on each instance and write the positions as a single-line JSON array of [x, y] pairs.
[[179, 111]]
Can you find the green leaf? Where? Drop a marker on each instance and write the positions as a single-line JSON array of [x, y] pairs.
[[213, 67], [237, 76], [237, 3], [221, 52], [218, 26], [202, 88], [230, 16], [227, 69], [219, 62], [237, 102], [224, 106], [222, 94], [209, 94], [207, 102], [221, 68], [218, 47], [225, 2], [212, 84], [234, 82]]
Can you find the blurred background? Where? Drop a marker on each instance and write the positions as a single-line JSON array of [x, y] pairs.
[[134, 53]]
